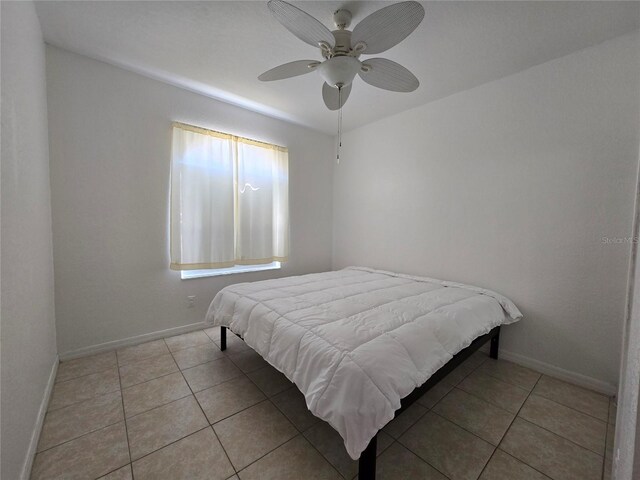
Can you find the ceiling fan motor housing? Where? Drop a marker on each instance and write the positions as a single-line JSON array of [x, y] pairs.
[[343, 42]]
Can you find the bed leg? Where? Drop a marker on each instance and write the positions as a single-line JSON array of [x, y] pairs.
[[223, 338], [495, 343], [367, 462]]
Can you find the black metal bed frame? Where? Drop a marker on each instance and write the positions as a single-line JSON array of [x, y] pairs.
[[367, 461]]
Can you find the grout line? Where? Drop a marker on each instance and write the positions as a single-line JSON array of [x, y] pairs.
[[492, 403], [282, 444], [234, 413], [563, 437], [168, 444], [431, 409], [324, 457], [609, 426], [581, 388], [275, 448], [230, 357], [569, 406], [560, 436], [464, 375], [149, 380], [422, 459], [475, 395], [116, 469], [444, 385], [173, 373], [138, 360], [208, 362], [535, 424], [292, 385], [144, 359], [524, 463], [205, 416], [604, 461], [124, 414], [509, 428], [181, 438], [531, 392], [496, 447], [513, 384], [427, 410], [500, 380], [465, 429], [285, 414], [209, 328], [385, 448], [472, 394], [195, 345], [102, 370], [157, 406], [135, 360], [489, 359], [153, 378], [85, 399], [76, 404], [499, 407], [80, 436]]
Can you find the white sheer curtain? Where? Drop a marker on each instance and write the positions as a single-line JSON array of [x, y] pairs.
[[229, 200]]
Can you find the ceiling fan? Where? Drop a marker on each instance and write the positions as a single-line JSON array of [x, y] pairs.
[[341, 49]]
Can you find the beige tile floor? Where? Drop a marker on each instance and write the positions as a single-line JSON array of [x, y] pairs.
[[179, 408]]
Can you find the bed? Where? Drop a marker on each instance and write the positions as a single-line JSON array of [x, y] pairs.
[[362, 344]]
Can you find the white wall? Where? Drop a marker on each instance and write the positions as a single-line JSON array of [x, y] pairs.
[[110, 144], [28, 341], [511, 185], [626, 454]]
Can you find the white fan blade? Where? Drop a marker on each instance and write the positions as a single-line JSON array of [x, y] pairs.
[[387, 27], [389, 75], [334, 99], [301, 24], [288, 70]]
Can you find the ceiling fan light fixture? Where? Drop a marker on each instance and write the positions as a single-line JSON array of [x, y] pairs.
[[339, 71]]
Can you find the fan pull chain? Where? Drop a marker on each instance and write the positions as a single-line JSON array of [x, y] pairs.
[[339, 125]]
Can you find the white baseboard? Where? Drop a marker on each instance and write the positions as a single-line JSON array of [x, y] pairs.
[[542, 367], [37, 428], [560, 373], [126, 342]]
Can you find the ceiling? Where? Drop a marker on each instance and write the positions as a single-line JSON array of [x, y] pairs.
[[219, 48]]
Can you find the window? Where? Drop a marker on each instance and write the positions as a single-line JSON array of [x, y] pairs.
[[229, 202]]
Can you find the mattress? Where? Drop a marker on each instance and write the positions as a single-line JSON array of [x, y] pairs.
[[356, 341]]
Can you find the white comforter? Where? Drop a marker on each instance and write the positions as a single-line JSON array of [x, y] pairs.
[[358, 340]]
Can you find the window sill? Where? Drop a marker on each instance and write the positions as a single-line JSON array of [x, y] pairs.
[[191, 274]]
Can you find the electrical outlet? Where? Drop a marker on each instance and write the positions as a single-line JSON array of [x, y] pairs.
[[191, 301]]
